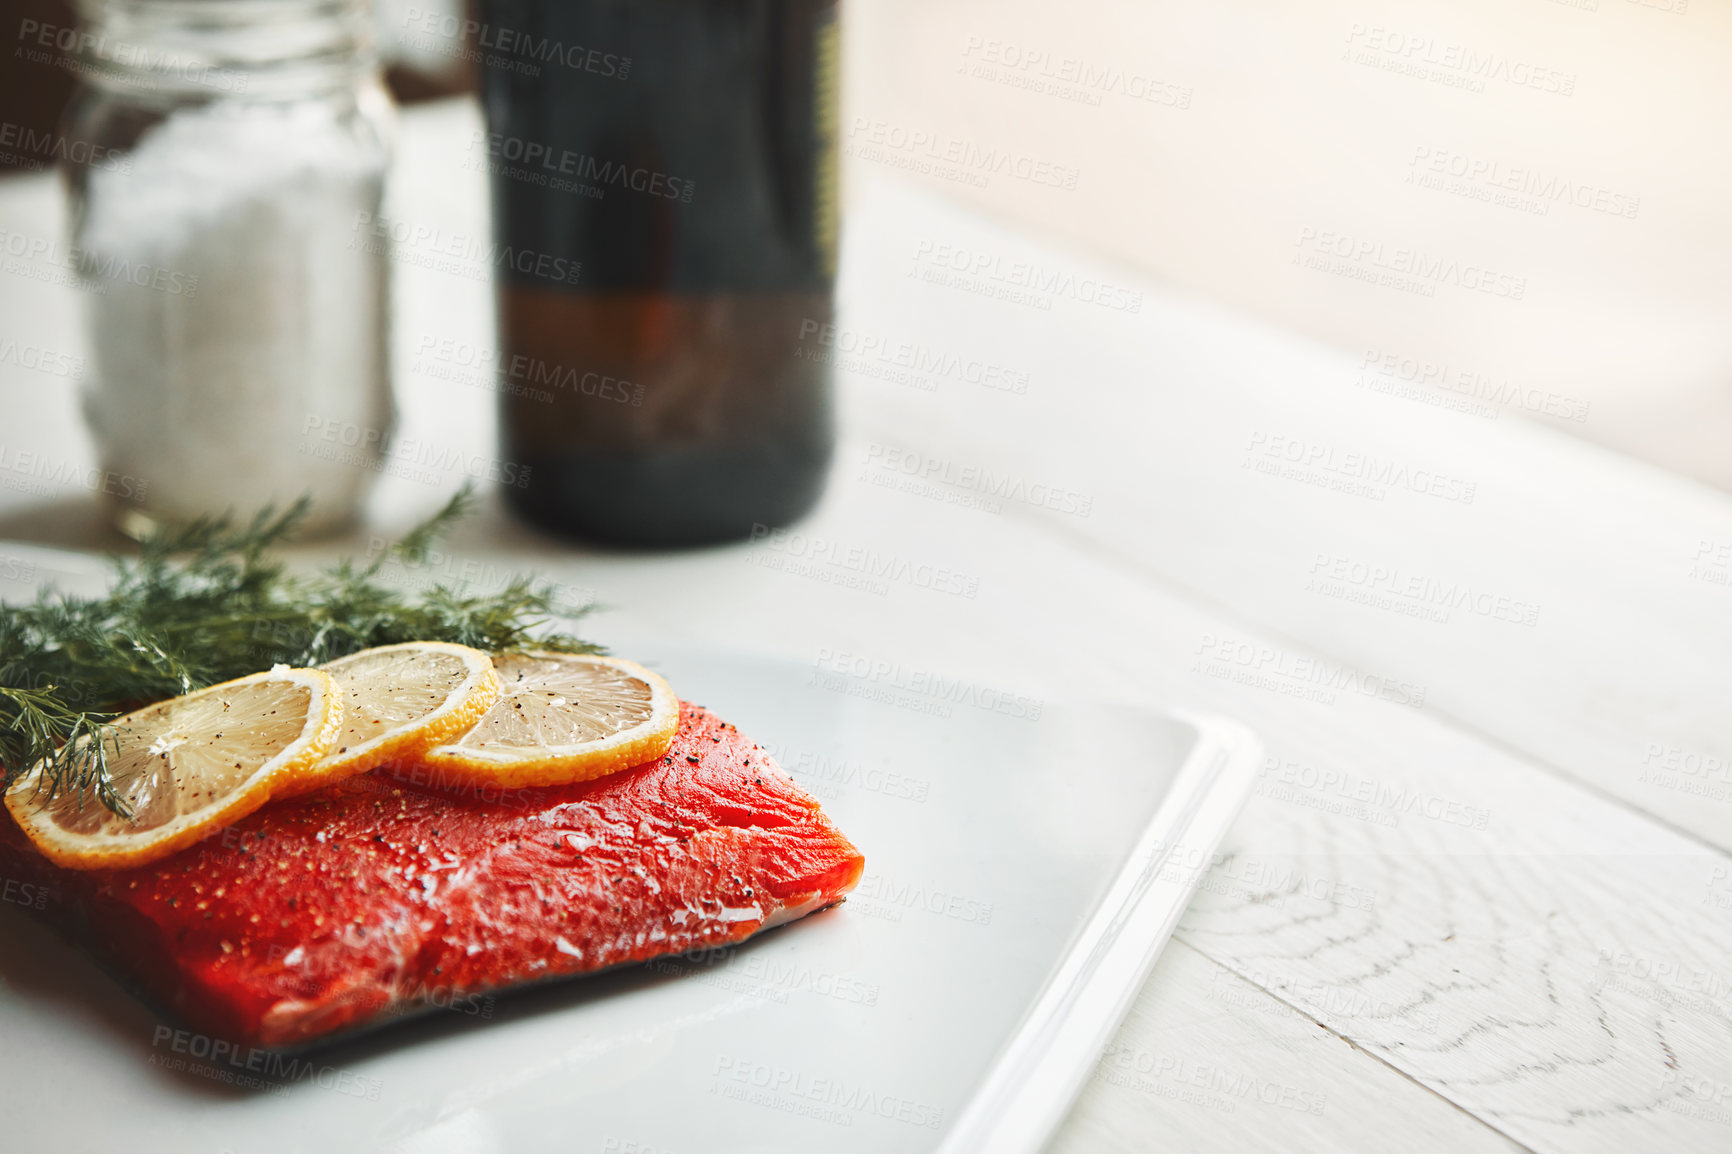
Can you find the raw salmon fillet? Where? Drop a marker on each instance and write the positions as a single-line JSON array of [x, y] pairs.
[[392, 890]]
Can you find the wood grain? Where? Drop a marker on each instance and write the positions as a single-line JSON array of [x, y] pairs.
[[1207, 1061]]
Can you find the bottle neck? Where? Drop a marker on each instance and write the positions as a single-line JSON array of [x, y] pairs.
[[263, 50]]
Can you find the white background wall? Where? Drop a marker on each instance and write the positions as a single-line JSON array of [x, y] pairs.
[[1212, 144]]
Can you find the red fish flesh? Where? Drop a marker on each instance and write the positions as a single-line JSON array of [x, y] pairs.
[[395, 890]]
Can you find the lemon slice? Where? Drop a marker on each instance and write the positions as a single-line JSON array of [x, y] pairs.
[[399, 700], [564, 718], [188, 767]]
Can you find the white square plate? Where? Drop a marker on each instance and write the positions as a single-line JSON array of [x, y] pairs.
[[1022, 874]]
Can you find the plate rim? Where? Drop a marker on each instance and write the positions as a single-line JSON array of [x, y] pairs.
[[1040, 1070]]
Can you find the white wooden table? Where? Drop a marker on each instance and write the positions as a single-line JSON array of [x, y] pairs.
[[1482, 898]]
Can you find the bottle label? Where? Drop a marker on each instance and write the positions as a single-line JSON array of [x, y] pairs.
[[827, 132]]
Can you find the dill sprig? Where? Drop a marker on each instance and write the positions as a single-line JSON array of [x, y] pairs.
[[207, 603]]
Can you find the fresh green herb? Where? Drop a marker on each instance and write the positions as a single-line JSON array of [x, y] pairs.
[[205, 604], [77, 743]]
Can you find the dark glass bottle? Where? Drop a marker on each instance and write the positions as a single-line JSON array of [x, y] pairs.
[[664, 178]]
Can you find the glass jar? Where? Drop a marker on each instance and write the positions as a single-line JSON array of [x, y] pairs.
[[235, 299]]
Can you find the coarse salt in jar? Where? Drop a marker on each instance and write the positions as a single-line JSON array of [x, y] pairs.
[[236, 314]]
